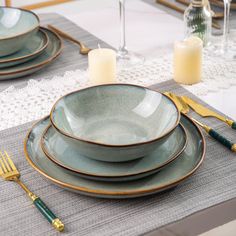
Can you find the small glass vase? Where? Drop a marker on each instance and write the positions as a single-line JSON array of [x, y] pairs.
[[197, 21]]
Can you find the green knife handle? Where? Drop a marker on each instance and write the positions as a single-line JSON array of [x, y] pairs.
[[230, 145], [231, 123], [48, 214]]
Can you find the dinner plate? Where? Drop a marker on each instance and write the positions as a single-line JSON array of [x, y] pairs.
[[32, 49], [69, 157], [172, 175], [50, 53]]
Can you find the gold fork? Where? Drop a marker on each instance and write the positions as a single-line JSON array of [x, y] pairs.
[[84, 50], [9, 172]]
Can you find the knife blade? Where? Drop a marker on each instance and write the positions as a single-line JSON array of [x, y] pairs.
[[206, 112]]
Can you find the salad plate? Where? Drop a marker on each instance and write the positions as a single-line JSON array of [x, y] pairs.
[[69, 157]]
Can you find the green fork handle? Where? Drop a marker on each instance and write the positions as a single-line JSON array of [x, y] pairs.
[[48, 214], [233, 125], [41, 206]]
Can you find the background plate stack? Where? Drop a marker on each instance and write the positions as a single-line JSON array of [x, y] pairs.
[[25, 47]]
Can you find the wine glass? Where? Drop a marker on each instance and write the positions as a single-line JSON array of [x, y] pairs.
[[125, 58], [229, 50], [226, 24], [226, 48]]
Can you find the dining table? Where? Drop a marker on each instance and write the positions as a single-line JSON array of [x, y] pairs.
[[202, 203]]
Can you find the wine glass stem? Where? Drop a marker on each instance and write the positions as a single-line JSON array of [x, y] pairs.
[[122, 48], [226, 24]]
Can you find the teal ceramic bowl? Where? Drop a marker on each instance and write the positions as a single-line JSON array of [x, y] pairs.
[[115, 122], [17, 27]]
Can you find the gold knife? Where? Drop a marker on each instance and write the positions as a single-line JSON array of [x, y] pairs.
[[205, 112]]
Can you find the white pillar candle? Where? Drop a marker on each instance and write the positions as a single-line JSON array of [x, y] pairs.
[[102, 66], [188, 61]]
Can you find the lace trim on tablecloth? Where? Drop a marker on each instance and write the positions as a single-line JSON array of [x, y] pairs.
[[34, 101]]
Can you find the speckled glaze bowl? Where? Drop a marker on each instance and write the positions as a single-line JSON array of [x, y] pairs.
[[115, 122], [17, 26]]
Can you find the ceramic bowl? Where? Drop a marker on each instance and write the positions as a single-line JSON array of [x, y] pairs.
[[17, 27], [115, 122]]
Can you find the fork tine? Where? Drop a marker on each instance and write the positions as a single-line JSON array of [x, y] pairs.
[[3, 166], [5, 162], [10, 161]]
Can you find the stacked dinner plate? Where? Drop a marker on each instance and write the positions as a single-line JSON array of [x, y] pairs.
[[25, 47], [115, 141]]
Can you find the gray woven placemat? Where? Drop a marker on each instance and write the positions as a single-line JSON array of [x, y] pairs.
[[213, 183]]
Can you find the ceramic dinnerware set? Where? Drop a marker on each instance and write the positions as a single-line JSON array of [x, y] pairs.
[[25, 47], [115, 141]]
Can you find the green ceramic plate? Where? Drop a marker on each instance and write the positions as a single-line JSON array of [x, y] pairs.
[[172, 175], [33, 48], [51, 52], [68, 157]]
